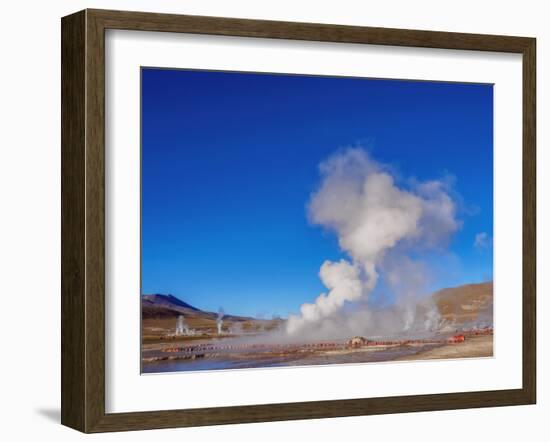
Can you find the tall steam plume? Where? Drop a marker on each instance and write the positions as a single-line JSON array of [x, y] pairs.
[[377, 224], [219, 320]]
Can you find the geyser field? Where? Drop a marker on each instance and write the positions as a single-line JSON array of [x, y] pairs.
[[243, 342]]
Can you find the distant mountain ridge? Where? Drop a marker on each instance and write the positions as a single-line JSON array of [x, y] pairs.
[[159, 305], [159, 299]]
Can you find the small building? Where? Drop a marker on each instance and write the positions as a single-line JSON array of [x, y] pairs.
[[356, 341]]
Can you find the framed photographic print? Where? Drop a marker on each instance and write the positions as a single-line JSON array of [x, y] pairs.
[[270, 220]]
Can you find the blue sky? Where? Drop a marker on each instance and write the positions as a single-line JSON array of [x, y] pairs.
[[229, 161]]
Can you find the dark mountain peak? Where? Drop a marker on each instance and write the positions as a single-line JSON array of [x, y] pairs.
[[159, 299]]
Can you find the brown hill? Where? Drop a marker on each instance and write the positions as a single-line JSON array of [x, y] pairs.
[[466, 303], [169, 301], [165, 306], [168, 306]]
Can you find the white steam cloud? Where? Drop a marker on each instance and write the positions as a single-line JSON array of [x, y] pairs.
[[376, 223]]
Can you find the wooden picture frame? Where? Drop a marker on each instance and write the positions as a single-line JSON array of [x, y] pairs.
[[83, 220]]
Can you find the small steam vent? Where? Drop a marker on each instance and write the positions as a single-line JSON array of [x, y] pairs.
[[356, 341]]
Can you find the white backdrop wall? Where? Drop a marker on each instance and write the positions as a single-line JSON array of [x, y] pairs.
[[30, 217]]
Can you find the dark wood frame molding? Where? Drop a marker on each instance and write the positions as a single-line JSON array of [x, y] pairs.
[[83, 217]]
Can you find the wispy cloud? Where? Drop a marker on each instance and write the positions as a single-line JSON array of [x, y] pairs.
[[482, 241]]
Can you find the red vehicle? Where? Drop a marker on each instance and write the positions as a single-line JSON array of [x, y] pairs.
[[456, 339]]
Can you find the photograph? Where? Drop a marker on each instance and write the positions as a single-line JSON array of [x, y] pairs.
[[303, 220]]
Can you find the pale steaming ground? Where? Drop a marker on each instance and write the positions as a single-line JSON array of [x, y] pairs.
[[474, 347], [227, 357]]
